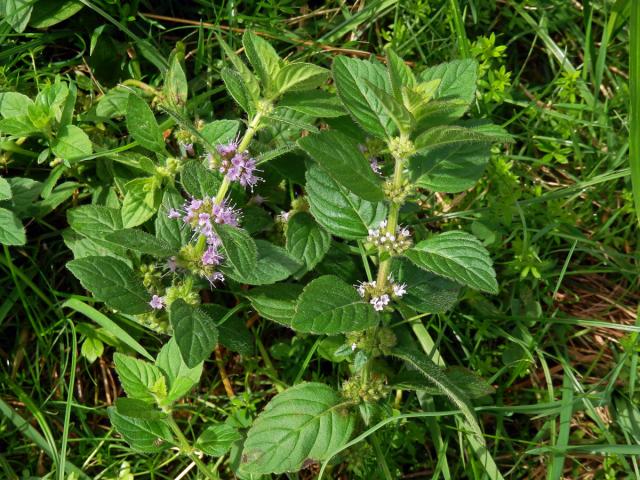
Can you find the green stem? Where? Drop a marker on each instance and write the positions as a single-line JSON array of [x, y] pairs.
[[143, 86], [381, 457], [188, 450], [254, 124]]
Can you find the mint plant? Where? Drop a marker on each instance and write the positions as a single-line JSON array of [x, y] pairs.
[[306, 211]]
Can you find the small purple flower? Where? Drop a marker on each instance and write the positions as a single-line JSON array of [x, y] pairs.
[[211, 256], [174, 214], [380, 302], [172, 264], [157, 303], [227, 149], [399, 289], [225, 214], [375, 165], [188, 149], [215, 277]]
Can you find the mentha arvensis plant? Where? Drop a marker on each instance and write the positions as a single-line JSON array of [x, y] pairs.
[[304, 211]]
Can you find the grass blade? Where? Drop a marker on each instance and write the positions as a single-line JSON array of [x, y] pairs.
[[634, 113]]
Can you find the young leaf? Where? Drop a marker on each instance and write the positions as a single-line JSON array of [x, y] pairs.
[[458, 256], [246, 78], [457, 79], [181, 378], [142, 125], [20, 126], [300, 76], [141, 242], [304, 423], [176, 88], [339, 155], [452, 168], [273, 264], [146, 436], [11, 229], [349, 75], [72, 144], [137, 376], [14, 104], [426, 292], [329, 305], [402, 119], [262, 57], [340, 212], [306, 240], [276, 302], [399, 74], [113, 282], [315, 103], [216, 440], [141, 201], [195, 332]]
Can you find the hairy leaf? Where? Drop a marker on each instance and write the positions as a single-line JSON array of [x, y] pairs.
[[136, 376], [146, 436], [195, 332]]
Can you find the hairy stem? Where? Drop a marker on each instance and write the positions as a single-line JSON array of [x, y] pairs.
[[188, 450]]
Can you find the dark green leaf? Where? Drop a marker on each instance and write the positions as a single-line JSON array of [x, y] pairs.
[[276, 302], [142, 125], [195, 332], [457, 79], [216, 440], [306, 240], [11, 229], [147, 436], [141, 242]]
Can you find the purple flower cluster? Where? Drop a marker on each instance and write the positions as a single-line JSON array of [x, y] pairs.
[[237, 166]]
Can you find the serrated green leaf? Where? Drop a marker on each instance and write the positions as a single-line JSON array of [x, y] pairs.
[[330, 306], [142, 125], [220, 131], [273, 264], [304, 423], [17, 13], [316, 103], [141, 242], [262, 57], [135, 408], [306, 240], [5, 189], [445, 135], [168, 229], [457, 79], [176, 88], [402, 119], [14, 104], [92, 349], [146, 436], [458, 256], [11, 229], [246, 78], [276, 302], [349, 75], [181, 378], [194, 331], [94, 221], [198, 181], [452, 168], [72, 144], [399, 73], [113, 282], [47, 14], [426, 292], [141, 201], [216, 440], [339, 211], [137, 377], [20, 126], [237, 89], [300, 76], [239, 250], [340, 156]]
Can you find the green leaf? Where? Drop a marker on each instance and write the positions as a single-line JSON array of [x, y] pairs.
[[14, 104], [194, 331], [17, 13], [399, 73], [180, 376], [235, 335], [136, 376], [239, 250], [349, 75], [176, 88], [20, 126], [216, 440], [237, 89], [426, 292], [146, 436], [198, 181], [304, 423], [435, 375], [300, 76], [329, 305], [246, 78], [92, 349], [446, 135], [262, 57], [276, 302], [340, 156], [458, 256], [472, 384], [273, 264], [306, 240], [94, 221], [141, 201], [141, 242], [457, 79], [134, 408], [72, 144], [11, 229], [46, 14], [113, 282], [340, 212], [142, 125], [316, 103], [452, 168], [220, 131], [114, 102], [170, 230], [5, 189], [402, 119]]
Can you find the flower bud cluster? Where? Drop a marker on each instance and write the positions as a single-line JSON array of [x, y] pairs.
[[235, 165], [358, 390], [397, 194], [401, 147], [375, 342], [186, 140], [395, 243], [381, 296]]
